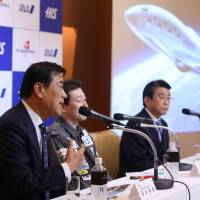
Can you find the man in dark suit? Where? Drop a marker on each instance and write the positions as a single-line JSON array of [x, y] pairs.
[[135, 152], [22, 151]]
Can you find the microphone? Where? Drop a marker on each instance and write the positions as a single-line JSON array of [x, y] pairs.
[[89, 112], [120, 116], [160, 183], [190, 112]]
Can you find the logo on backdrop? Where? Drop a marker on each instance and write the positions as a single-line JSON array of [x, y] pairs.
[[51, 16], [50, 52], [5, 48], [51, 13], [16, 84], [2, 93], [2, 48], [25, 8], [26, 48], [27, 45]]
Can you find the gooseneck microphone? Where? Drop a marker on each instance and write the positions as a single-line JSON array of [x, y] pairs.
[[160, 183], [120, 116], [91, 113], [187, 111], [182, 166]]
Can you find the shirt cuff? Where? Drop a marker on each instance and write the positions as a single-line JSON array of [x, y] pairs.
[[67, 171]]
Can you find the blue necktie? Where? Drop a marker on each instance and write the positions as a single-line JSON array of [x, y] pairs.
[[159, 130], [44, 153]]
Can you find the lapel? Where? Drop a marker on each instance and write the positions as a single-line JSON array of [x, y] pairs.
[[30, 129]]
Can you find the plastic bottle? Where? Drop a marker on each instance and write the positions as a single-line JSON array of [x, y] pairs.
[[99, 181], [172, 161]]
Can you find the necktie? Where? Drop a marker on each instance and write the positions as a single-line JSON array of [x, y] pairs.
[[159, 130], [44, 153]]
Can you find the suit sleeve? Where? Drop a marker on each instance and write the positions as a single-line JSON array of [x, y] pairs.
[[134, 151], [21, 167]]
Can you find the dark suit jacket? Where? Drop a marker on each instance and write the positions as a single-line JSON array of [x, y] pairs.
[[135, 152], [21, 173]]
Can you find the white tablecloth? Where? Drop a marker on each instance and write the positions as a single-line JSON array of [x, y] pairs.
[[178, 192]]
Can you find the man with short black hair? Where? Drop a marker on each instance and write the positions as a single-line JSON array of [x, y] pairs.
[[67, 127], [24, 170], [135, 152]]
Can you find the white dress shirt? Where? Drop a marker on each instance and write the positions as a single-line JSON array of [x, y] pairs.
[[36, 122]]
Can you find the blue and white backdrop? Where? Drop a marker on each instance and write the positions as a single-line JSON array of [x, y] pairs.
[[30, 31]]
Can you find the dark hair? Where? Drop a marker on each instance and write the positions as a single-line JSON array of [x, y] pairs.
[[39, 72], [152, 86], [68, 86]]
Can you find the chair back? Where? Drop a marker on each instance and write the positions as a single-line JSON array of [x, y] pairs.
[[107, 143]]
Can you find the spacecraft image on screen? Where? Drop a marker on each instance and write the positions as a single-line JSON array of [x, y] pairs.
[[165, 33]]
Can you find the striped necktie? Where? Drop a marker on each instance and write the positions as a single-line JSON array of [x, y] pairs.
[[159, 130], [44, 153]]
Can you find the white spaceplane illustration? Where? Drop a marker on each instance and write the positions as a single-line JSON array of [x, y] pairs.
[[165, 33]]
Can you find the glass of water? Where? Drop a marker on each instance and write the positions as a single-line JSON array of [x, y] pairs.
[[73, 188]]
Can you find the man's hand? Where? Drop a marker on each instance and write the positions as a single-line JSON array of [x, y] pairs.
[[74, 158]]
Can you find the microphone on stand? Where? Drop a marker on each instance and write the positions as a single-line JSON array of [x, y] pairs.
[[143, 122], [160, 183], [187, 111], [182, 166], [120, 116], [91, 113]]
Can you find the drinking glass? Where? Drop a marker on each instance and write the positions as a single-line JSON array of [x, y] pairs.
[[73, 188]]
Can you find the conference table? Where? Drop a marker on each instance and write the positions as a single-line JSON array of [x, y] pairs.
[[178, 192]]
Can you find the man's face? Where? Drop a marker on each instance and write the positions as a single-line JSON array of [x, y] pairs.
[[159, 103], [53, 97], [71, 111]]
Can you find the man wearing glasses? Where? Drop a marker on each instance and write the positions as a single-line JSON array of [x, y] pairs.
[[135, 151]]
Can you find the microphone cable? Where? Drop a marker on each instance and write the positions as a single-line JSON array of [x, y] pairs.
[[189, 196]]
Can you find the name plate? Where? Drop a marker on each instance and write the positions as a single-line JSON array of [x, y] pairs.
[[195, 171], [143, 190]]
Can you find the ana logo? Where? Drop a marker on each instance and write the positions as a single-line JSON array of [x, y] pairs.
[[26, 8], [2, 94], [51, 13], [2, 44], [50, 52]]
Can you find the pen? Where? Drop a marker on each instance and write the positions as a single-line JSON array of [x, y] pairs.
[[141, 177]]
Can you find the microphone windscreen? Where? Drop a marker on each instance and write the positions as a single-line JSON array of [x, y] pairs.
[[84, 111], [186, 111], [118, 116]]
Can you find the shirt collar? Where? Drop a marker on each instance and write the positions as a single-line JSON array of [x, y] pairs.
[[155, 119], [33, 115]]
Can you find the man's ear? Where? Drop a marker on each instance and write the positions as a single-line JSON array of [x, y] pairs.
[[39, 89], [147, 100]]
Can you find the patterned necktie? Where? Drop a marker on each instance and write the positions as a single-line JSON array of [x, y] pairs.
[[44, 153], [159, 130]]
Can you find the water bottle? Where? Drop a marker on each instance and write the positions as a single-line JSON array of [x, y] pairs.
[[98, 181], [172, 160]]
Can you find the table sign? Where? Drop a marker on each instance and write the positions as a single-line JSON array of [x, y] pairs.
[[143, 190]]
